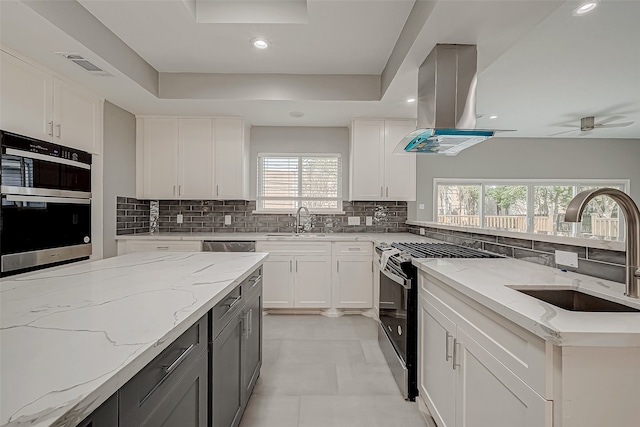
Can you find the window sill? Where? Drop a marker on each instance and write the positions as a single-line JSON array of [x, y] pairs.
[[614, 245], [311, 211]]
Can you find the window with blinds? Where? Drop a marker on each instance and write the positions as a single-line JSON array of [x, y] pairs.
[[286, 182]]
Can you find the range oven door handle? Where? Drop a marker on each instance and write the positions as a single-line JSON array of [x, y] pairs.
[[69, 200], [405, 283]]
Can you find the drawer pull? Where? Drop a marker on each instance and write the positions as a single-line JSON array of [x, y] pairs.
[[233, 302], [354, 249], [162, 247], [256, 280], [170, 368]]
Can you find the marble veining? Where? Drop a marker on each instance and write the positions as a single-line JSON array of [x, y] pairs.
[[487, 281], [72, 336]]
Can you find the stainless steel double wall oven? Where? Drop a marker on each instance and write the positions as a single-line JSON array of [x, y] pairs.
[[45, 208]]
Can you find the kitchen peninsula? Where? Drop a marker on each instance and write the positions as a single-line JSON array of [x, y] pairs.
[[73, 336]]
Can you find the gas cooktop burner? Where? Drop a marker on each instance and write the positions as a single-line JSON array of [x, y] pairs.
[[441, 250]]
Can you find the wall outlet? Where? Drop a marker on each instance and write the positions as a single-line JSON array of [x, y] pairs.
[[569, 259], [422, 232], [179, 218], [353, 220], [368, 220], [227, 220], [421, 206]]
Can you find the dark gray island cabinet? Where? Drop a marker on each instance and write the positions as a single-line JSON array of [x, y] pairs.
[[204, 378]]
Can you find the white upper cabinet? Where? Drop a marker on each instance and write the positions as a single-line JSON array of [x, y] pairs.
[[26, 106], [160, 155], [376, 173], [231, 159], [195, 155], [36, 104], [177, 158], [192, 158]]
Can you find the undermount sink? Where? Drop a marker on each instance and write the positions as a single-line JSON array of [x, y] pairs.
[[570, 299]]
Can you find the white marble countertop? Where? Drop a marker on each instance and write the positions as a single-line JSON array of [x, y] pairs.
[[487, 281], [72, 336], [333, 237]]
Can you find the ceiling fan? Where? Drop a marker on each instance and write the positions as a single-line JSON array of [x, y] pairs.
[[588, 124]]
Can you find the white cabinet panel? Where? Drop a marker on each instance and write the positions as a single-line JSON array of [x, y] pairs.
[[437, 383], [376, 172], [195, 158], [130, 246], [231, 159], [400, 169], [312, 281], [36, 104], [489, 394], [26, 104], [367, 160], [277, 282], [352, 282], [160, 152], [76, 116]]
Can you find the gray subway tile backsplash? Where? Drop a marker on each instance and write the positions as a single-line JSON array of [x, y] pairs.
[[208, 216], [605, 264]]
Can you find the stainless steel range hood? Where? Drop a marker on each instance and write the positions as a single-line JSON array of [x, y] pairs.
[[447, 82]]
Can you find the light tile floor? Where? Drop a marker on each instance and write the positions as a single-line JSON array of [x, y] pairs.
[[325, 372]]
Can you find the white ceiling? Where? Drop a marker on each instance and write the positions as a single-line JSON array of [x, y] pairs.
[[539, 67]]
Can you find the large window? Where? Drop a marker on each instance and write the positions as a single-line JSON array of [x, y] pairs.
[[286, 182], [528, 206]]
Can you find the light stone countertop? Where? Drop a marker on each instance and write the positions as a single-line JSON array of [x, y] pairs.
[[486, 281], [72, 336], [332, 237]]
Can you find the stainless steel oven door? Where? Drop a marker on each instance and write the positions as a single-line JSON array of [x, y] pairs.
[[39, 230], [394, 291]]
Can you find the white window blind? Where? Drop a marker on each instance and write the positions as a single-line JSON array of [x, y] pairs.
[[286, 182]]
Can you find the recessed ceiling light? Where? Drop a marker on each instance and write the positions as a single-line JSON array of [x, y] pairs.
[[259, 43], [411, 100], [585, 8], [493, 117], [296, 114]]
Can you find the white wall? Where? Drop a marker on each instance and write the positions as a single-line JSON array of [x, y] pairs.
[[547, 158], [119, 167], [274, 139]]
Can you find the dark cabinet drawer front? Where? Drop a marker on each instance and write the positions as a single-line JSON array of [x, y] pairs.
[[252, 283], [225, 310], [105, 416], [141, 395], [227, 382]]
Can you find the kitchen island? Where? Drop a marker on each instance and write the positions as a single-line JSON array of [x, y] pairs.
[[72, 336], [486, 348]]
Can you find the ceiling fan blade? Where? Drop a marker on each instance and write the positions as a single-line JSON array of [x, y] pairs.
[[614, 125], [610, 119]]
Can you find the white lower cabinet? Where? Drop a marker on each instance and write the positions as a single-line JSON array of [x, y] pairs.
[[296, 274], [462, 382], [352, 281]]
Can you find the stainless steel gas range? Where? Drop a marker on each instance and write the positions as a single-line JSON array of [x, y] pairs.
[[398, 304]]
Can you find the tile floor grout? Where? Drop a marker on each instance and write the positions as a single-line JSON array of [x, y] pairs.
[[325, 372]]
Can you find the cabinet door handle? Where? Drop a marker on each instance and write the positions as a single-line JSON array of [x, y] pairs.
[[296, 266], [185, 352], [174, 190], [246, 322], [447, 356], [217, 190], [50, 129], [59, 126], [290, 266], [250, 321], [381, 193], [179, 190], [338, 266], [387, 191], [455, 353]]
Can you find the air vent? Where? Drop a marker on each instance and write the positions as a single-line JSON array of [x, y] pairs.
[[84, 63]]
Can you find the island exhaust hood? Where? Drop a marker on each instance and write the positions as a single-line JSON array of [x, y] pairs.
[[447, 82]]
